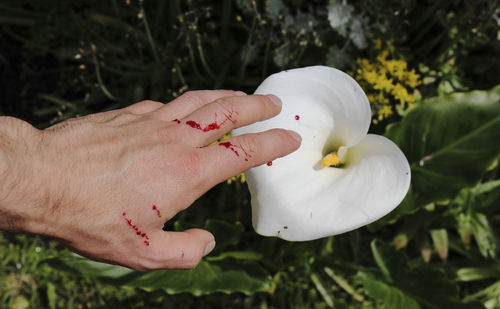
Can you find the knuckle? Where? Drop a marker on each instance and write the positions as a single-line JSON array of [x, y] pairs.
[[250, 142], [192, 96], [192, 163], [151, 104], [225, 104]]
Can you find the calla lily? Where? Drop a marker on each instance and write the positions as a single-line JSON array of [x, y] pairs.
[[340, 178]]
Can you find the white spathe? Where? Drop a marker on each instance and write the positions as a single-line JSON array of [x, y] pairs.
[[297, 198]]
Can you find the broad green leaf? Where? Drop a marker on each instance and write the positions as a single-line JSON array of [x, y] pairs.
[[225, 275], [238, 255], [391, 296], [450, 141], [401, 287]]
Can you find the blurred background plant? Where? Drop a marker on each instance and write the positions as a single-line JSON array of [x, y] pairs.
[[430, 69]]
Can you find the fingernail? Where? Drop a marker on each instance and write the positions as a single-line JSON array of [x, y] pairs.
[[275, 99], [295, 136], [239, 93], [210, 246]]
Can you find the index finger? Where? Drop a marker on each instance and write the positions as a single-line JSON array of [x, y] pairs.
[[191, 101]]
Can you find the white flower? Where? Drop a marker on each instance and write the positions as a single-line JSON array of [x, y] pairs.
[[298, 198]]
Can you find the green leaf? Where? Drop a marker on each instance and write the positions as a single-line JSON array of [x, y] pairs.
[[484, 235], [449, 142], [401, 287], [391, 296], [478, 273], [337, 58], [51, 295], [226, 275], [487, 194], [472, 222], [275, 8], [440, 241]]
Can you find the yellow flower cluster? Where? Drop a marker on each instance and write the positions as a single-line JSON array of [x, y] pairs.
[[240, 177], [387, 82]]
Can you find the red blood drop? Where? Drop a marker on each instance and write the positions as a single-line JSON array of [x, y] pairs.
[[297, 117], [193, 124], [269, 163], [157, 211], [124, 214], [226, 144], [177, 120], [210, 127], [146, 243]]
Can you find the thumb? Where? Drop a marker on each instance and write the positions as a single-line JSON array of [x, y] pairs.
[[183, 249]]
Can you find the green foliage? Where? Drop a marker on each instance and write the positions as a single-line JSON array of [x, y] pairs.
[[399, 286], [223, 274]]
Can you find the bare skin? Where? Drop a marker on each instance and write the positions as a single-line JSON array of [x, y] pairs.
[[104, 184]]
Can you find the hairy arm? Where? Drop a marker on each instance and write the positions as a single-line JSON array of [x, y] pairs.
[[105, 184]]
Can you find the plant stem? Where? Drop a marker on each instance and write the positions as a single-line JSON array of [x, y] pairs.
[[202, 56], [179, 74], [321, 289], [98, 75], [344, 284], [266, 55], [117, 11], [148, 33], [192, 58], [247, 50]]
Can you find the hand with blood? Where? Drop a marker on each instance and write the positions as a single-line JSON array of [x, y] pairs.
[[105, 184]]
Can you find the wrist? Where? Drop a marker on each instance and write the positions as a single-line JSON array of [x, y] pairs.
[[21, 187]]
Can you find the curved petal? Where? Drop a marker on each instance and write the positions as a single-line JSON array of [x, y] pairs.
[[330, 106], [298, 204]]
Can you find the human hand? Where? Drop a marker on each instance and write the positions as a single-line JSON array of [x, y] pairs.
[[105, 184]]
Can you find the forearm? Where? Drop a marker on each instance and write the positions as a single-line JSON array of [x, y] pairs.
[[21, 208]]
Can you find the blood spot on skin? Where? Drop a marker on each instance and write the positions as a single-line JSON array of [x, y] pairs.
[[270, 163], [138, 232], [194, 124], [157, 211], [177, 120], [297, 117], [182, 253], [235, 148], [213, 125], [228, 145]]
